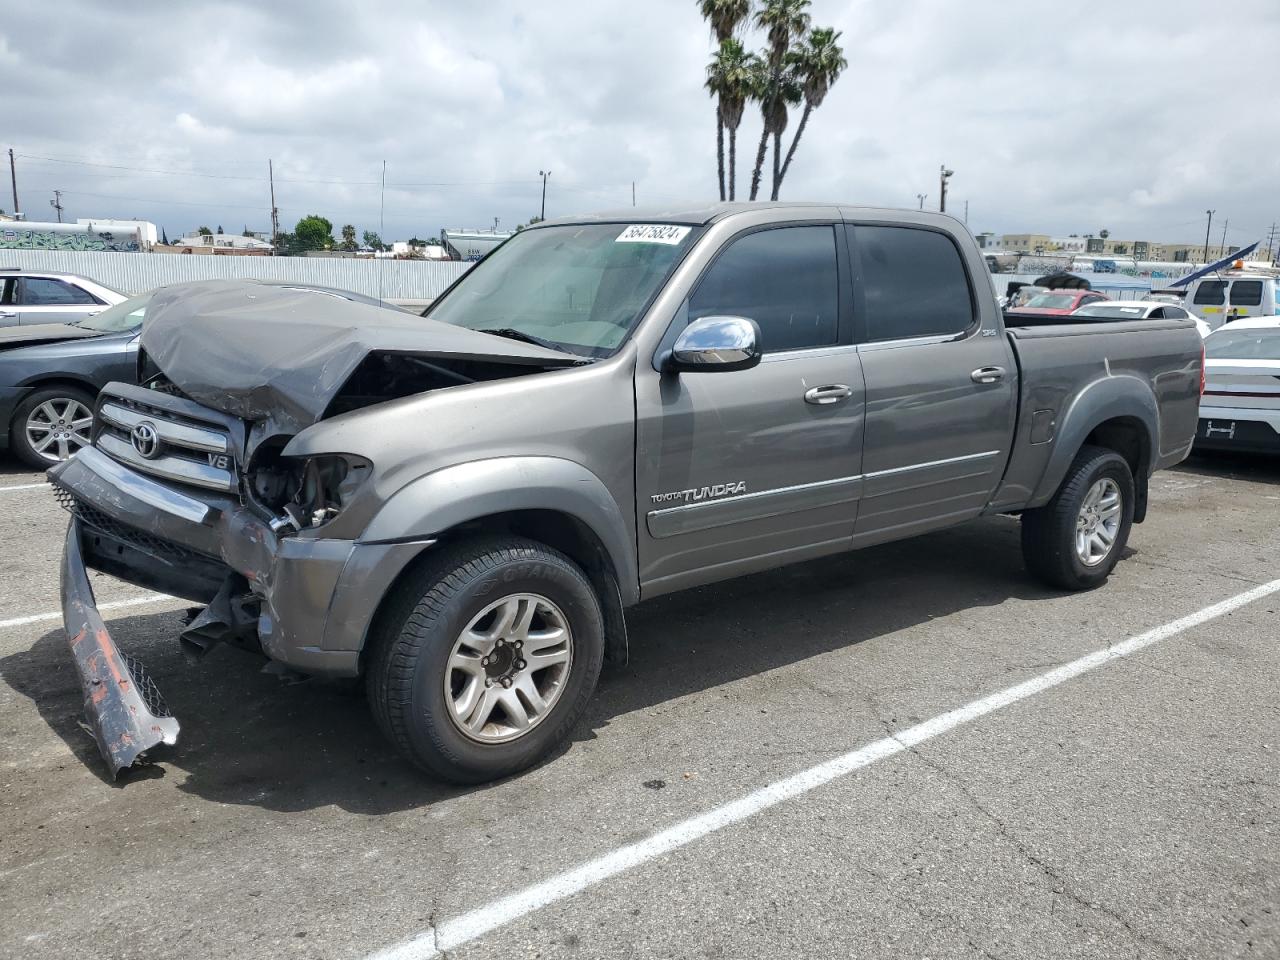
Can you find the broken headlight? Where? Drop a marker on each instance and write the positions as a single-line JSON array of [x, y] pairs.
[[309, 492]]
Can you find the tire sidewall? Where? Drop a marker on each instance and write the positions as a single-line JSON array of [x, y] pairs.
[[432, 729], [1111, 465]]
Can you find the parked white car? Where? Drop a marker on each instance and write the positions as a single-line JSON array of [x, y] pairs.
[[1240, 408], [39, 296], [1141, 310]]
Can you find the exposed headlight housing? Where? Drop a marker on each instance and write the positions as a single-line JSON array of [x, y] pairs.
[[307, 492]]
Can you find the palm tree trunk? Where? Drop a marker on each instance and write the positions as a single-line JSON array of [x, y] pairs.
[[733, 160], [720, 148], [755, 174], [777, 158], [791, 151]]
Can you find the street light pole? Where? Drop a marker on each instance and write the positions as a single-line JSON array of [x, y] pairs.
[[920, 197], [544, 174], [943, 178], [1207, 227]]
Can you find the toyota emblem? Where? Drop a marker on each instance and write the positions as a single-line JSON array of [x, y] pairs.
[[146, 439]]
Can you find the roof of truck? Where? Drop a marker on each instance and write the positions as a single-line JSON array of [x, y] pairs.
[[700, 215]]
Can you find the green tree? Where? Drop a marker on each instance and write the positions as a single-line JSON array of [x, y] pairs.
[[817, 64], [373, 241], [348, 239], [313, 232], [731, 78], [201, 231], [783, 21], [724, 17]]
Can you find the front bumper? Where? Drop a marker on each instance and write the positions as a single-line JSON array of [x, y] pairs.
[[313, 598], [125, 711]]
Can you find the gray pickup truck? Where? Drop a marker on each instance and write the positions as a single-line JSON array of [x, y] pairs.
[[459, 508]]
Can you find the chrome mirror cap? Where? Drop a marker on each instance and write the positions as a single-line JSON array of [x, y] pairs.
[[711, 344]]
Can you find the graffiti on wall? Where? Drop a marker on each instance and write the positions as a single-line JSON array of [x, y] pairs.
[[11, 239]]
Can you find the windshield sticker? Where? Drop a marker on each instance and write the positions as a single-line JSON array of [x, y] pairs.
[[667, 233]]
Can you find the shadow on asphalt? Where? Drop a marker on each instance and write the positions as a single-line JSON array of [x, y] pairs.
[[248, 738], [1258, 468]]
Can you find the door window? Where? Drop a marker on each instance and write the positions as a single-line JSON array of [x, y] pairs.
[[1175, 313], [1210, 292], [784, 279], [43, 292], [1246, 293], [913, 284]]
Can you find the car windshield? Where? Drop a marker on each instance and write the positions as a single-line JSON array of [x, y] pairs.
[[1053, 301], [1111, 311], [1255, 344], [580, 287], [120, 318]]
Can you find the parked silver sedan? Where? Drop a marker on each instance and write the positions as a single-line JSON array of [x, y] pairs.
[[41, 296]]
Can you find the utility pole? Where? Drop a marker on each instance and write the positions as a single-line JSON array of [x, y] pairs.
[[1222, 251], [942, 179], [920, 197], [633, 193], [546, 173], [1207, 227], [56, 203], [1271, 239], [966, 213], [13, 179], [275, 213]]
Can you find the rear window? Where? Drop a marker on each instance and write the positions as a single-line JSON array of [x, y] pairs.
[[1053, 301], [913, 283], [1226, 344], [1111, 311], [1246, 293], [1210, 292]]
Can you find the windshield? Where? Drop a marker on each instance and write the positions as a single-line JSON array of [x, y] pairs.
[[1257, 344], [581, 287], [1111, 311], [1053, 301], [118, 319]]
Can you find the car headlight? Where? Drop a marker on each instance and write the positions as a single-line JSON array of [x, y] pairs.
[[305, 493]]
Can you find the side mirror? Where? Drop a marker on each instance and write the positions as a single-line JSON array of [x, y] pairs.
[[712, 344]]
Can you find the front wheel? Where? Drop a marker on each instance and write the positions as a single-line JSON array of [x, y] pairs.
[[484, 662], [51, 424], [1075, 540]]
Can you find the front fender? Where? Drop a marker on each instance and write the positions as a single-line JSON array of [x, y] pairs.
[[1100, 401], [439, 501]]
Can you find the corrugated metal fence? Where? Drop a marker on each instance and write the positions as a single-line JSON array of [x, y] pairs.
[[139, 272]]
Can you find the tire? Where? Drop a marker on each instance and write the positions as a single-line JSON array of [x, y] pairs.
[[1050, 545], [41, 406], [430, 620]]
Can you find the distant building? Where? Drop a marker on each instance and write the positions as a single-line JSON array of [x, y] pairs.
[[128, 236], [222, 243], [148, 232], [1026, 242]]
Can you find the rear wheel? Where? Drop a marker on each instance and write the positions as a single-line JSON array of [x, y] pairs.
[[1075, 540], [485, 661], [51, 425]]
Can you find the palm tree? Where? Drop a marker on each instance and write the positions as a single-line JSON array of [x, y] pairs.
[[782, 21], [817, 65], [724, 16], [730, 76]]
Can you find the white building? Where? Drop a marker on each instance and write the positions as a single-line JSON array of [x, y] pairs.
[[223, 241], [148, 233]]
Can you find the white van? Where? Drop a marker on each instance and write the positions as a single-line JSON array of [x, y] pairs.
[[1233, 295]]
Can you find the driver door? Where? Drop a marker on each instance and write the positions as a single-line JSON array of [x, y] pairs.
[[747, 469]]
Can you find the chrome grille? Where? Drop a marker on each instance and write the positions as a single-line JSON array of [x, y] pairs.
[[184, 449]]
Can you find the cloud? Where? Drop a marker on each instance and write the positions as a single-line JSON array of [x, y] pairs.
[[1052, 123]]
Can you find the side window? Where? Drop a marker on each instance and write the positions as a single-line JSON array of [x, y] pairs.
[[41, 292], [1159, 313], [783, 279], [913, 283], [1175, 313], [1246, 293], [1210, 292]]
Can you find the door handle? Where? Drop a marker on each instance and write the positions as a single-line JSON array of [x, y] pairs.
[[7, 316], [987, 375], [828, 394]]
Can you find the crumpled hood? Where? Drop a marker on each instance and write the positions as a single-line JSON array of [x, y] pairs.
[[281, 354]]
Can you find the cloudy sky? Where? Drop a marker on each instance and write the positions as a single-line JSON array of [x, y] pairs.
[[1137, 118]]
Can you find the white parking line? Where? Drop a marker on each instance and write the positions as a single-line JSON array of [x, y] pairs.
[[113, 605], [24, 486], [433, 942]]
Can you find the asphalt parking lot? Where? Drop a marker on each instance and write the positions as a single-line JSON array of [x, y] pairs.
[[1130, 811]]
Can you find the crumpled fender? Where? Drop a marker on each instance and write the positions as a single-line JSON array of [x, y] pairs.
[[441, 500]]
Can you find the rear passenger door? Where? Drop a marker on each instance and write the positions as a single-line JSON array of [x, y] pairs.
[[940, 382], [8, 312], [49, 300]]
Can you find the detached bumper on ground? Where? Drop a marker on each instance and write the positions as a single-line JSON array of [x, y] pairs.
[[124, 710]]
